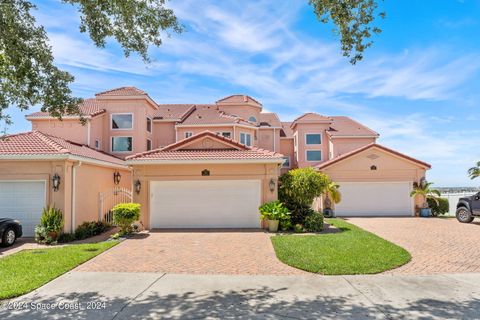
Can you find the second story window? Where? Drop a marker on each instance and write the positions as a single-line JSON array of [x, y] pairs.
[[313, 138], [122, 144], [122, 121], [286, 163], [149, 124], [246, 138], [314, 155], [188, 134], [149, 144], [225, 134]]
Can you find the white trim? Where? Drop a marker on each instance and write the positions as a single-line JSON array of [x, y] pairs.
[[321, 155], [47, 157], [313, 133], [151, 124], [166, 120], [265, 127], [121, 113], [74, 195], [155, 162], [111, 144], [89, 127]]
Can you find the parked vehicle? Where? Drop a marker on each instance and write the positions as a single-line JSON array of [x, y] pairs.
[[10, 230], [468, 208]]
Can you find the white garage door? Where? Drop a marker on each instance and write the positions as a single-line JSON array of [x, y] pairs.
[[205, 204], [375, 199], [23, 200]]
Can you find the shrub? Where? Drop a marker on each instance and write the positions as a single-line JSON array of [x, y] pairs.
[[314, 222], [124, 214], [50, 227], [438, 209], [90, 229], [298, 228], [300, 187], [274, 210], [66, 237]]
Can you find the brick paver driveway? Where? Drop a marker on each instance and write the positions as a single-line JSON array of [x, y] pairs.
[[197, 252], [436, 245]]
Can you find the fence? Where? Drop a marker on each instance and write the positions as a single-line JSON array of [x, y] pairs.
[[109, 199], [453, 200]]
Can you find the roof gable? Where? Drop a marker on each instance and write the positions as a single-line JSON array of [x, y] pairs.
[[206, 140], [311, 117], [239, 99], [372, 147], [122, 91]]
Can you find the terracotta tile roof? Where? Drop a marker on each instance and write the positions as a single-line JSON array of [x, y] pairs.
[[238, 99], [368, 146], [287, 130], [269, 119], [89, 107], [233, 151], [345, 126], [173, 111], [35, 143], [122, 91], [209, 114], [312, 116]]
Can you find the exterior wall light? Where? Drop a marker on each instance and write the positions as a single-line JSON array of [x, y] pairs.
[[271, 184], [117, 177], [138, 186], [373, 168], [56, 182]]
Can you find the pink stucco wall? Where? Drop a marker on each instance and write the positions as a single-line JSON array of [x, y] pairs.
[[68, 129], [344, 145], [301, 130], [243, 111]]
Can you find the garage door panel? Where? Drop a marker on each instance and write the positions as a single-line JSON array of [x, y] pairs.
[[23, 200], [375, 199], [205, 204]]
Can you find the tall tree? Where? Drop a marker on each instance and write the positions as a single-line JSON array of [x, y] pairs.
[[28, 75], [474, 172], [352, 20]]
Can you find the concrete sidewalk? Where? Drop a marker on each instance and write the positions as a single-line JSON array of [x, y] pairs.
[[102, 295]]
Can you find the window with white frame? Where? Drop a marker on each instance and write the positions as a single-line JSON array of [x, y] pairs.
[[149, 124], [122, 144], [226, 134], [314, 155], [122, 121], [313, 138], [246, 138], [188, 134], [149, 144], [286, 163]]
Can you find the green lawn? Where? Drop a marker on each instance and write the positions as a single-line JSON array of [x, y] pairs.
[[27, 270], [352, 251]]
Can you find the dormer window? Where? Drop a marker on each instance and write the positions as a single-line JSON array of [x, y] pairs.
[[252, 119], [246, 138]]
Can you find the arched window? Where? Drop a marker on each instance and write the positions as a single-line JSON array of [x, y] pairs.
[[252, 119]]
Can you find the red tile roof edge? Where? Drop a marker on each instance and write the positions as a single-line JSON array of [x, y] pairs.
[[368, 146]]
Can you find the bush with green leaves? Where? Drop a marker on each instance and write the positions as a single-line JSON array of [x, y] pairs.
[[298, 228], [50, 227], [314, 222], [439, 208], [89, 229], [275, 210], [125, 214], [298, 189]]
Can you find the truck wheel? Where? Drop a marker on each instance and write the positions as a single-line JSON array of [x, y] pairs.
[[464, 215]]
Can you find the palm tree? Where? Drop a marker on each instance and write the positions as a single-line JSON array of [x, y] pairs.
[[332, 194], [424, 190], [474, 172]]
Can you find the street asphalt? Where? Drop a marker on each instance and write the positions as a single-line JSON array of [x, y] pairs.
[[104, 295]]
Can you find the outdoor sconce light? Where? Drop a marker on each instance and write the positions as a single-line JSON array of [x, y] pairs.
[[138, 186], [272, 185], [373, 168], [56, 182], [116, 177]]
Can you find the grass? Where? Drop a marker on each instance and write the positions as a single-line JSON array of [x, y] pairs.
[[27, 270], [352, 251]]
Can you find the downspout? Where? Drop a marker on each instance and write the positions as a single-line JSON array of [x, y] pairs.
[[74, 191]]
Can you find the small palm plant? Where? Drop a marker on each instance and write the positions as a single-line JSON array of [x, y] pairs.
[[332, 194], [426, 192], [474, 172]]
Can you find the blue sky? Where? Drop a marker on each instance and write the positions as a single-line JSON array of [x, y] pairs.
[[418, 86]]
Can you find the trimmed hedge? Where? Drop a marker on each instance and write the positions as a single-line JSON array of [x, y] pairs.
[[440, 208]]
